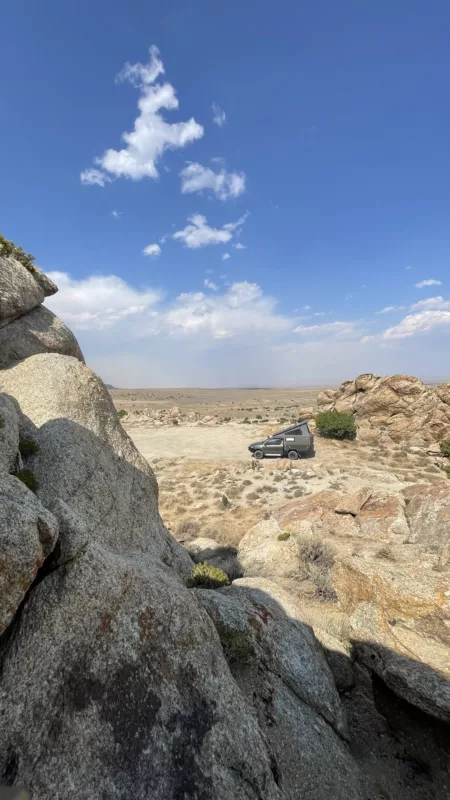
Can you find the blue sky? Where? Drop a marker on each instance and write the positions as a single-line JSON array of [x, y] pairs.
[[287, 169]]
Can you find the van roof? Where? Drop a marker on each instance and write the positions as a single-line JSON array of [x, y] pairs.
[[292, 427]]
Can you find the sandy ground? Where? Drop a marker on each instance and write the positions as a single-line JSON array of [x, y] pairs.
[[222, 442]]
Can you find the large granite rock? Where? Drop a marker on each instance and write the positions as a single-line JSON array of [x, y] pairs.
[[396, 408], [28, 533], [392, 581], [37, 331], [21, 288], [9, 434], [86, 459], [283, 674]]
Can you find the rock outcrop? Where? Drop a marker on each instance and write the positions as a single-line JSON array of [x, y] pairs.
[[116, 680], [397, 408], [27, 327]]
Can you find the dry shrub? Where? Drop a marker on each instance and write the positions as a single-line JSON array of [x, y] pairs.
[[188, 529], [318, 557]]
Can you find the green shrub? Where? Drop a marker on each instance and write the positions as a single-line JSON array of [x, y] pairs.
[[28, 478], [207, 577], [122, 413], [8, 248], [237, 645], [28, 447], [445, 447], [447, 471], [283, 536], [335, 425], [175, 422]]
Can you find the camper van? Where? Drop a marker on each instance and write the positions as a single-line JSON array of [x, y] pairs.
[[293, 443]]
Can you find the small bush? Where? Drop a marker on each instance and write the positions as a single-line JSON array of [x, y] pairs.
[[122, 413], [445, 447], [447, 470], [313, 550], [207, 577], [336, 425], [28, 478], [324, 588], [175, 422], [283, 536], [259, 416], [237, 645], [245, 421], [28, 447], [8, 248], [385, 553], [225, 502], [188, 529]]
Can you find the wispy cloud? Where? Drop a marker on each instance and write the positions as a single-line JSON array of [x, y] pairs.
[[240, 246], [423, 322], [226, 256], [388, 309], [210, 285], [331, 330], [225, 185], [428, 282], [152, 135], [199, 234], [116, 214], [219, 116]]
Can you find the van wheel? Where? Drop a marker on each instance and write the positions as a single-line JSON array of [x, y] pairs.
[[293, 455], [258, 454]]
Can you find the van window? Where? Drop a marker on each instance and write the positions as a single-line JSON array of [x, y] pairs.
[[273, 442], [304, 430]]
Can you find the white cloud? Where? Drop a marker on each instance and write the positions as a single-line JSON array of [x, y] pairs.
[[242, 310], [152, 135], [210, 285], [240, 246], [98, 302], [423, 322], [94, 177], [330, 330], [388, 309], [430, 304], [199, 234], [429, 282], [116, 214], [153, 250], [225, 185], [219, 116], [226, 256], [408, 267]]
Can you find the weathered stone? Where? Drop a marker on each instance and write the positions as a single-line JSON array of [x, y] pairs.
[[9, 434], [352, 503], [262, 553], [21, 289], [87, 460], [127, 691], [37, 331], [73, 536], [282, 672], [28, 533], [396, 408]]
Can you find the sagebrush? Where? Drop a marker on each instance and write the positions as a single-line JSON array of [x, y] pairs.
[[335, 425]]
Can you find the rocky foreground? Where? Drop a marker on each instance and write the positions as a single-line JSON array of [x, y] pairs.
[[118, 681]]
